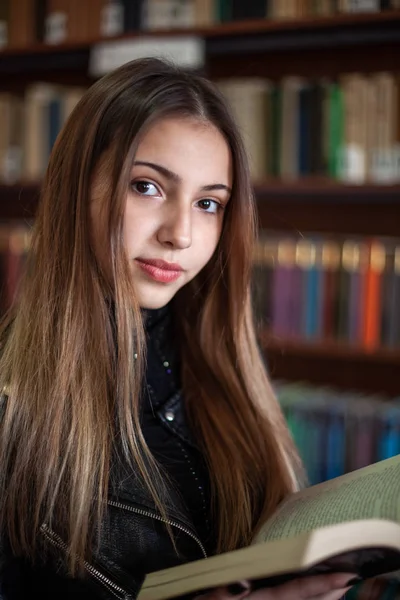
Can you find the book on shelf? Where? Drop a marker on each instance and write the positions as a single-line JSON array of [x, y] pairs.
[[14, 246], [336, 431], [26, 22], [346, 128], [319, 287], [348, 524], [30, 125]]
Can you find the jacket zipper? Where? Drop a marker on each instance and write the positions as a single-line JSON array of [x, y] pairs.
[[152, 515], [112, 587]]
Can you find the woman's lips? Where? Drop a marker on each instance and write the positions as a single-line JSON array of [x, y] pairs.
[[160, 270]]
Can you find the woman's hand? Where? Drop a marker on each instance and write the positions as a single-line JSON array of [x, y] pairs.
[[319, 587]]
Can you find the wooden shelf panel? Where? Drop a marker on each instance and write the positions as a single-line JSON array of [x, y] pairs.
[[313, 205], [324, 32], [239, 39], [348, 218], [323, 189], [309, 23], [60, 65], [233, 29], [320, 205], [334, 364], [332, 349], [18, 201]]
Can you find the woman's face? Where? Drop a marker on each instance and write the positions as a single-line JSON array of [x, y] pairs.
[[180, 185]]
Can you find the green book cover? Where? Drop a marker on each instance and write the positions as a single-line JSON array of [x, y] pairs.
[[223, 10]]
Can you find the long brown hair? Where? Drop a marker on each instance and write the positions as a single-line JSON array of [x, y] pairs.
[[71, 393]]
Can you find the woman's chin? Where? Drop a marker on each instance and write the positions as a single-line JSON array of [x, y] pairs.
[[154, 298]]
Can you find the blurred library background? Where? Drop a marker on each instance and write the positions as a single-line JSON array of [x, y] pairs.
[[315, 87]]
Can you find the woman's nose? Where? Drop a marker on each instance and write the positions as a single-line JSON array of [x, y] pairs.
[[176, 229]]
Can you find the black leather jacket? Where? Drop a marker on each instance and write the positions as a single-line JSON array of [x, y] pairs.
[[134, 539]]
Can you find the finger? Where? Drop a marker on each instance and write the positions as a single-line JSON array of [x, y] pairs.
[[309, 587], [235, 591], [325, 584], [334, 595]]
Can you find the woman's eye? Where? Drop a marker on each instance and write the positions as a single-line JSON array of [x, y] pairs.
[[145, 188], [208, 205]]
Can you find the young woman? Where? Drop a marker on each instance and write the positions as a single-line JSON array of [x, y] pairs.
[[138, 426]]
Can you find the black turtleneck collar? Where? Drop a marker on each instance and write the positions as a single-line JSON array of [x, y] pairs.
[[153, 318], [163, 364]]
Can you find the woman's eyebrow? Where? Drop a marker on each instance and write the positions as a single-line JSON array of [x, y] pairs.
[[168, 174], [216, 186], [163, 170]]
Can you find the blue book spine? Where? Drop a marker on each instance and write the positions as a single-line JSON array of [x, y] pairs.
[[336, 445], [316, 443], [389, 442]]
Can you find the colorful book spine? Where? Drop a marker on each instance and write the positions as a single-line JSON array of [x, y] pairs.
[[316, 289], [337, 432], [377, 256], [283, 289]]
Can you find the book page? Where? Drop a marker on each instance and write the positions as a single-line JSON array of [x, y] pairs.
[[371, 492]]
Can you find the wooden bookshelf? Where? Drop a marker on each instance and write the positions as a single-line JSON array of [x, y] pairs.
[[334, 363], [336, 31], [384, 22], [331, 349], [315, 47], [311, 47], [321, 205], [301, 46], [325, 189], [18, 201], [311, 205], [283, 206]]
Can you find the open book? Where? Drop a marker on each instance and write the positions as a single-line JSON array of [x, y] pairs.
[[351, 523]]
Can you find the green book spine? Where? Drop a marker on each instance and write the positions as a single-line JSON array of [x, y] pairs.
[[223, 10], [217, 11], [226, 10]]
